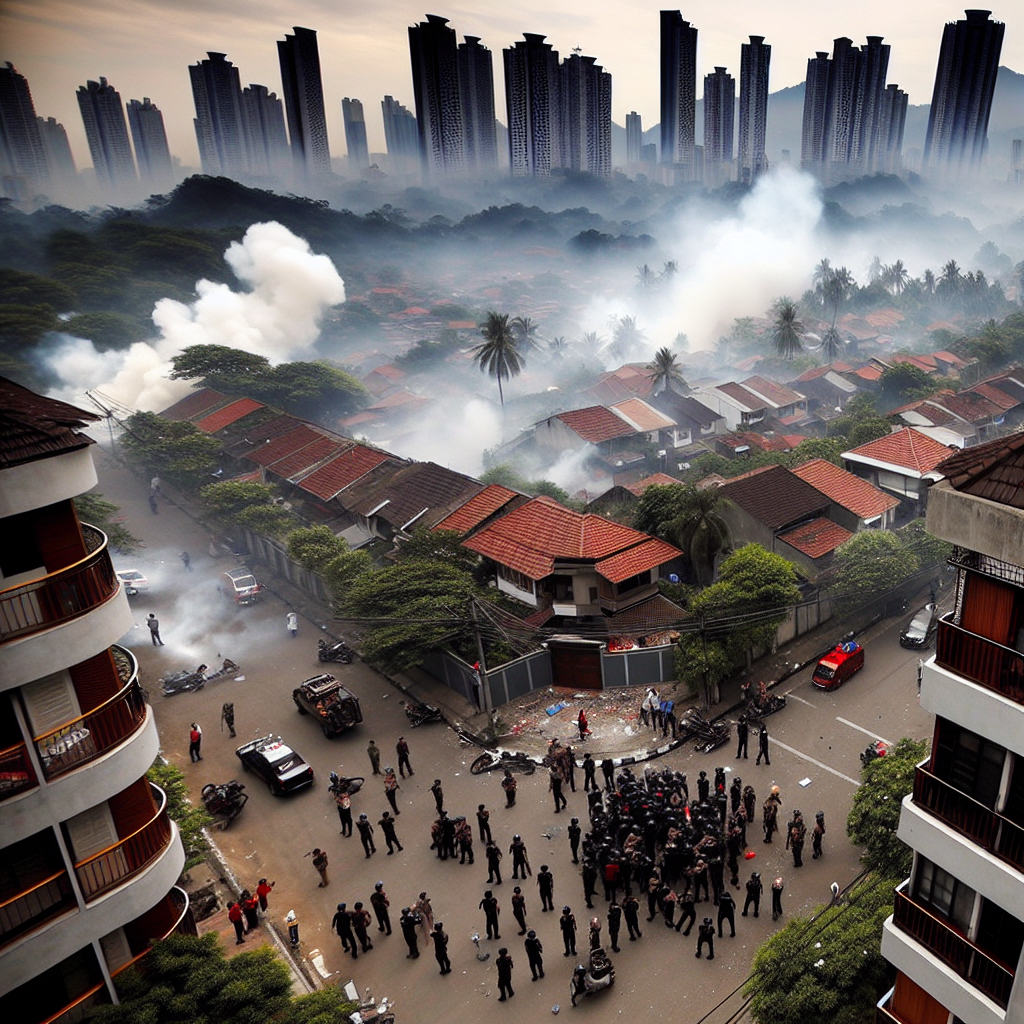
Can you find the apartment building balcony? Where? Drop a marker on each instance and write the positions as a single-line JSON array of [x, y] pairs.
[[984, 827], [943, 942], [172, 915], [16, 772], [982, 661], [43, 901], [82, 740], [63, 617]]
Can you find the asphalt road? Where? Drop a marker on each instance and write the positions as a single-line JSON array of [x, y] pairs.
[[817, 737]]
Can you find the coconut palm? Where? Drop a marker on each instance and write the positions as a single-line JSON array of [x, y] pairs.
[[897, 277], [499, 354], [669, 270], [831, 347], [557, 347], [822, 272], [645, 277], [525, 330], [699, 529], [928, 281], [951, 280], [787, 330], [664, 371], [627, 337], [593, 343]]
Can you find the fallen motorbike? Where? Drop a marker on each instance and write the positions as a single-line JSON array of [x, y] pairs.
[[873, 753], [763, 702], [183, 681], [337, 651], [709, 735], [600, 974], [488, 761], [224, 801], [339, 784], [420, 713]]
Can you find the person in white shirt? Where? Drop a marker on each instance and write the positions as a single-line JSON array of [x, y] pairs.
[[293, 623]]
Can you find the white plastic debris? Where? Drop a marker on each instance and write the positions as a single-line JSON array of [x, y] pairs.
[[805, 783]]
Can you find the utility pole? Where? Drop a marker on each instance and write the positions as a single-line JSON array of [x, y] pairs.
[[485, 690], [704, 646]]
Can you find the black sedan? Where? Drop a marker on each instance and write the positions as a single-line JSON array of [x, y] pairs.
[[276, 763], [919, 632]]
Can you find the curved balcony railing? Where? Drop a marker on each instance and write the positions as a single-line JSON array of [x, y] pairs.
[[953, 948], [184, 924], [16, 771], [979, 659], [83, 739], [60, 596], [111, 867], [29, 909], [77, 1011]]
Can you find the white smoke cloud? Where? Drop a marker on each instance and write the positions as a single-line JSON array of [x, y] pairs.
[[453, 434], [278, 317]]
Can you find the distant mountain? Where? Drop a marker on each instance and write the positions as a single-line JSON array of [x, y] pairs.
[[786, 111]]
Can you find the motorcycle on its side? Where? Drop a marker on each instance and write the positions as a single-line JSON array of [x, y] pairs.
[[338, 651]]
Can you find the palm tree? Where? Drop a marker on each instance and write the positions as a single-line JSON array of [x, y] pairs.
[[592, 342], [898, 277], [669, 270], [835, 291], [699, 529], [499, 353], [875, 270], [787, 331], [822, 272], [557, 347], [645, 277], [664, 371], [831, 347], [928, 281], [951, 279], [525, 330], [628, 337]]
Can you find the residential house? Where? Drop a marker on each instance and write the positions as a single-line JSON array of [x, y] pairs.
[[622, 496], [902, 463], [775, 508], [856, 503], [752, 402], [826, 389], [931, 417], [493, 501], [743, 442], [570, 565], [383, 379], [572, 430], [631, 380], [694, 421]]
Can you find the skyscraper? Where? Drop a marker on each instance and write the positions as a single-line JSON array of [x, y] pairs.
[[58, 151], [962, 98], [435, 80], [892, 119], [533, 102], [840, 110], [355, 134], [304, 101], [476, 94], [755, 59], [401, 135], [586, 115], [871, 74], [678, 90], [22, 156], [719, 113], [150, 138], [957, 930], [266, 141], [107, 134], [815, 102], [219, 121], [634, 137], [91, 857]]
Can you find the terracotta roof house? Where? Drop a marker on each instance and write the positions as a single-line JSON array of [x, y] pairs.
[[828, 392], [764, 505], [195, 405], [631, 380], [492, 501], [344, 470], [578, 565], [694, 421], [645, 418], [383, 379], [814, 541], [626, 495], [228, 414], [864, 505], [743, 442], [576, 428], [993, 471], [902, 463]]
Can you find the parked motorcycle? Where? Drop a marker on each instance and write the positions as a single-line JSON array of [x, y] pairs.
[[873, 753], [420, 713], [488, 761], [336, 651], [224, 801], [338, 784], [599, 975], [709, 735]]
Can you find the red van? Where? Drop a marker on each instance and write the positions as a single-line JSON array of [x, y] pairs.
[[838, 665]]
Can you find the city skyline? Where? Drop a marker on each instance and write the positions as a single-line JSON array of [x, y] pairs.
[[365, 54]]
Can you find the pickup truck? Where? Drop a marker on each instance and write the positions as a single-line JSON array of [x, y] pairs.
[[333, 705]]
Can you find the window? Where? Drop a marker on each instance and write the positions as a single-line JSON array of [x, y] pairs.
[[19, 545], [1000, 934], [945, 894], [969, 762]]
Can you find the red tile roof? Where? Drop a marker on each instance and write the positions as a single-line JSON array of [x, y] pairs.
[[228, 415], [420, 493], [868, 372], [631, 379], [648, 555], [775, 497], [33, 426], [820, 371], [194, 404], [969, 405], [994, 470], [906, 449], [659, 479], [530, 538], [596, 424], [859, 496], [477, 509], [995, 396], [738, 393], [778, 394], [817, 538], [305, 458], [334, 476], [296, 438]]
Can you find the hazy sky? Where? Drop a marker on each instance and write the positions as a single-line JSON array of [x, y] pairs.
[[144, 47]]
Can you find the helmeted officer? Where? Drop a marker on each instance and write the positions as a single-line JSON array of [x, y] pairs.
[[706, 933], [567, 922]]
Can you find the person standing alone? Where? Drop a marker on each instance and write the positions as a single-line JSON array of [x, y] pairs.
[[402, 750], [195, 740], [504, 965], [154, 630], [292, 621]]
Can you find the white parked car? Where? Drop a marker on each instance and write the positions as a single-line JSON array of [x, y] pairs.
[[133, 580]]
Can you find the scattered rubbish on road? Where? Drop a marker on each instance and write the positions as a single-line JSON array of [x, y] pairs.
[[804, 782], [555, 708]]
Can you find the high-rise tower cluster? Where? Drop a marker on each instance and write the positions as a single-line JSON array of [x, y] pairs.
[[853, 122]]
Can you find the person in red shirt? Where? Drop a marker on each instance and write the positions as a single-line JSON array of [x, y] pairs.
[[235, 917], [249, 905], [195, 739], [581, 723], [263, 891]]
